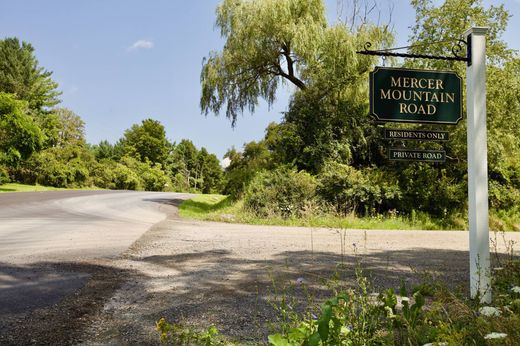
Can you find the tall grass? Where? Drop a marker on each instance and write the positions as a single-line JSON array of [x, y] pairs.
[[224, 209]]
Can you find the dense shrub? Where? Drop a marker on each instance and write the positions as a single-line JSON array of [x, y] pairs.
[[151, 176], [4, 175], [59, 167], [281, 192], [431, 189], [114, 175], [349, 190], [124, 178]]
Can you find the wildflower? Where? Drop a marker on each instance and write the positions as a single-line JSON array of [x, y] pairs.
[[495, 335], [436, 344], [299, 281], [489, 311], [405, 299], [344, 330], [515, 289]]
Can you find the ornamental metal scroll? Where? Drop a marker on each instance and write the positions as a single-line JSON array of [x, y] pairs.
[[455, 50]]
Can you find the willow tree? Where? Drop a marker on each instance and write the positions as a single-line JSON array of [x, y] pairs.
[[270, 42]]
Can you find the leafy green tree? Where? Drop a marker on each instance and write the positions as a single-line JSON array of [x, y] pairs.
[[209, 173], [146, 142], [182, 164], [68, 166], [21, 75], [151, 176], [445, 23], [244, 166], [19, 135], [269, 42], [61, 127], [104, 150]]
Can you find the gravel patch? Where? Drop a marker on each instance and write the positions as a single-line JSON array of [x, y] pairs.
[[202, 273]]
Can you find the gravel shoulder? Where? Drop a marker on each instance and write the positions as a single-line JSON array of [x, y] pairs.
[[202, 273]]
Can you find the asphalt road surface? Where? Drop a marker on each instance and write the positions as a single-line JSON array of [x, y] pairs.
[[39, 231]]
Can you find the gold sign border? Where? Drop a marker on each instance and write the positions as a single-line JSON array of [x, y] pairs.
[[372, 93]]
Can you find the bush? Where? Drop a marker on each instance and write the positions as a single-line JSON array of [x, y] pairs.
[[4, 175], [349, 190], [282, 192], [151, 177], [116, 176], [124, 178]]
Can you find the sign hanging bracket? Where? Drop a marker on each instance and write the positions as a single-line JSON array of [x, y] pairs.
[[456, 50]]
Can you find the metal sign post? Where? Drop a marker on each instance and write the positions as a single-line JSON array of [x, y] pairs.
[[480, 275]]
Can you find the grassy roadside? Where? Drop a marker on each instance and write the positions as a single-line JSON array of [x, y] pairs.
[[15, 187], [221, 208]]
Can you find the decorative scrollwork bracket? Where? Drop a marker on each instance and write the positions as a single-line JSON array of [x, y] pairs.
[[455, 50]]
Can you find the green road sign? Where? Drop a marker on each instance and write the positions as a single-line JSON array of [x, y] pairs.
[[416, 155], [419, 135], [415, 96]]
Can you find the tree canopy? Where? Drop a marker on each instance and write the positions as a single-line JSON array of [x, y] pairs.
[[146, 141], [270, 42], [20, 74], [19, 135]]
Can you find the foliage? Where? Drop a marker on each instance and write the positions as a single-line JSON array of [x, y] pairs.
[[443, 23], [281, 192], [69, 166], [146, 142], [4, 175], [429, 314], [226, 209], [21, 75], [177, 334], [19, 135], [114, 175], [270, 42], [356, 191], [194, 170], [151, 176], [244, 166], [104, 150]]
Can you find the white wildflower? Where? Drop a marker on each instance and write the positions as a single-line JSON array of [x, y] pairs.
[[495, 335], [405, 299], [489, 311], [436, 344], [515, 289]]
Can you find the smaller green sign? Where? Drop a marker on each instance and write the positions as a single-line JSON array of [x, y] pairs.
[[419, 135], [416, 155], [415, 96]]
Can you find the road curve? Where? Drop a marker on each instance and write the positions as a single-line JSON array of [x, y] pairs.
[[72, 225], [50, 243]]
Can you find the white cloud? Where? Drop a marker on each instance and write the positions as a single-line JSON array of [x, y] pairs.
[[141, 44]]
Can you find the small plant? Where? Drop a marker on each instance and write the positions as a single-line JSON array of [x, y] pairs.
[[176, 334]]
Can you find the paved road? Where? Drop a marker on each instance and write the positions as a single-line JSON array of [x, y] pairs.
[[44, 234]]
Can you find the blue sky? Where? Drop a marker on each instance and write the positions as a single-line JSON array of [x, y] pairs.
[[121, 61]]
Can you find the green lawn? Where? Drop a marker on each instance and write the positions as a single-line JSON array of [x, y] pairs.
[[15, 187], [222, 208]]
